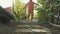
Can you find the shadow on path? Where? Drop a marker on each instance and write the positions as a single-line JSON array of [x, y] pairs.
[[53, 29]]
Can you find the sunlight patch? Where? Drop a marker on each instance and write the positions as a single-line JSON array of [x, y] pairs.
[[39, 30]]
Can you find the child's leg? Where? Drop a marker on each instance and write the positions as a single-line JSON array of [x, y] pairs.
[[32, 16], [28, 15]]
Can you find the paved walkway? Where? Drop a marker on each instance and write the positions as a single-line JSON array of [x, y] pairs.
[[25, 27]]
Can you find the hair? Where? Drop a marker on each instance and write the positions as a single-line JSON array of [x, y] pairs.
[[31, 0]]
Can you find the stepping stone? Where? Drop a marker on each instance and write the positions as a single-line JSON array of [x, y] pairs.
[[29, 26], [23, 30], [32, 31], [26, 21]]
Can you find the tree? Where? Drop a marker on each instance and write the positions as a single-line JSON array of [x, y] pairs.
[[19, 11], [42, 11], [50, 7]]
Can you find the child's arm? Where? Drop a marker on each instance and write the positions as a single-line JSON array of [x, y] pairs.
[[25, 6], [38, 4]]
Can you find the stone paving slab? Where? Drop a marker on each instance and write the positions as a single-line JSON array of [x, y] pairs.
[[29, 26], [31, 30]]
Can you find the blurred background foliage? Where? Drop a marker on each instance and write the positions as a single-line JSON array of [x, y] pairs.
[[18, 10], [42, 11], [50, 7]]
